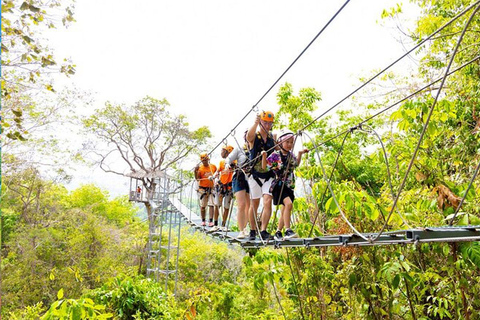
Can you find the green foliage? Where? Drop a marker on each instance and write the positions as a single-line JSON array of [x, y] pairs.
[[75, 309], [135, 298], [295, 111], [92, 198], [53, 239]]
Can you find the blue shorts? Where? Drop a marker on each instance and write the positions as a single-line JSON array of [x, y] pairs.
[[239, 182]]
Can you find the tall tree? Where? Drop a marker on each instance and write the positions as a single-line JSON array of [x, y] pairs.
[[145, 138]]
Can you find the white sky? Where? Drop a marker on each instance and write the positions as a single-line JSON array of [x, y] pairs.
[[212, 60]]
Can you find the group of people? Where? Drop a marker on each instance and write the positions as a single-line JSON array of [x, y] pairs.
[[262, 170]]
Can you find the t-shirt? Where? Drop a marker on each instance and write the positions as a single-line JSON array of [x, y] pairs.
[[226, 175], [260, 145], [279, 163], [205, 172]]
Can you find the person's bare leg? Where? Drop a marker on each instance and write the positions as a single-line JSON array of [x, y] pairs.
[[242, 202], [267, 211], [287, 212], [253, 212]]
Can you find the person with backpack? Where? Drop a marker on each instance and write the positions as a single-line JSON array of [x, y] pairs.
[[204, 175], [260, 138], [283, 163]]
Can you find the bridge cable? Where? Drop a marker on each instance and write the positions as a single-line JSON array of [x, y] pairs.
[[255, 106], [335, 198], [400, 101], [372, 131], [370, 80], [329, 179], [358, 88]]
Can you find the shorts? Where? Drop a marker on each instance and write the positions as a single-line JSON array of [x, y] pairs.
[[239, 182], [257, 191], [225, 198], [205, 196], [285, 193]]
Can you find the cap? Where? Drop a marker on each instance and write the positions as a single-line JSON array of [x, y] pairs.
[[267, 116], [204, 156]]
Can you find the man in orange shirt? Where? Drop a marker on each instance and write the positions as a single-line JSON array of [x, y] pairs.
[[204, 174], [223, 190]]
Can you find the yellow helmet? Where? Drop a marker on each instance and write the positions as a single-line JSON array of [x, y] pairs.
[[228, 148], [267, 116], [204, 156]]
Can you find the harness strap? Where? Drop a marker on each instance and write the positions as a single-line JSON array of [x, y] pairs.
[[257, 179], [207, 192]]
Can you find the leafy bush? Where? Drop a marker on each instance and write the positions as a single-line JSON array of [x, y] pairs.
[[135, 298]]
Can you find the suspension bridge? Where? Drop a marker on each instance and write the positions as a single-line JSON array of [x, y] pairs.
[[172, 208]]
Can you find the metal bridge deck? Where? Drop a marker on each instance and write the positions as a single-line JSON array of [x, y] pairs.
[[409, 236]]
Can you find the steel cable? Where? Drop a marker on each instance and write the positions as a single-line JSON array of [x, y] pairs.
[[398, 102], [335, 198], [255, 106]]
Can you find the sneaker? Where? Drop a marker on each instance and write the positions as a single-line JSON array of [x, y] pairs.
[[210, 224], [242, 234], [278, 235], [253, 235], [265, 236], [214, 228], [204, 223], [290, 234], [225, 229]]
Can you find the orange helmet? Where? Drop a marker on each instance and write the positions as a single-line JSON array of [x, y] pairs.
[[228, 148], [267, 116], [204, 156]]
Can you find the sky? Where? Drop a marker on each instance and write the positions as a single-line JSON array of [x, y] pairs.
[[213, 60]]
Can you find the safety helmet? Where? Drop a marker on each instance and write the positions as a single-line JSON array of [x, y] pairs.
[[204, 156], [267, 116], [228, 148], [285, 136]]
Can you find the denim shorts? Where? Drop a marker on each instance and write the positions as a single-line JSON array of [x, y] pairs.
[[239, 182]]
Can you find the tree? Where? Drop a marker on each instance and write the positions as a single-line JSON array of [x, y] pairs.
[[32, 109], [27, 62], [56, 239], [145, 137]]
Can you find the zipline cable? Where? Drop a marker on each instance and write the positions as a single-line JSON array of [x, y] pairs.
[[427, 121]]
